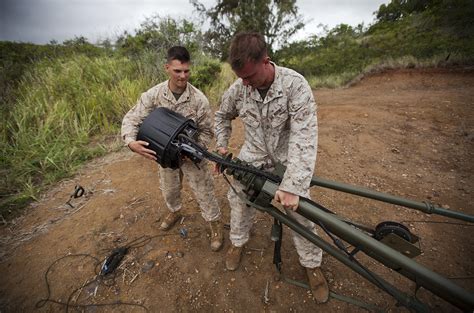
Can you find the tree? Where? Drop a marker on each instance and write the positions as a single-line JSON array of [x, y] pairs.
[[159, 34], [277, 20], [397, 9]]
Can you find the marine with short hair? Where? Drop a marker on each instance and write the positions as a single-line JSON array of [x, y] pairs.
[[178, 95], [277, 108]]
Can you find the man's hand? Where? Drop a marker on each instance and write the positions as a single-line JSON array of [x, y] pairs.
[[287, 199], [139, 146], [222, 151]]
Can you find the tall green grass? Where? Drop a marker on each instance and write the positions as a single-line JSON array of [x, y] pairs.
[[64, 105]]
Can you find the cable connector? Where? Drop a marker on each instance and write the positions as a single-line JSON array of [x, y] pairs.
[[113, 260]]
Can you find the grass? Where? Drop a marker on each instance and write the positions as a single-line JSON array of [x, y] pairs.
[[346, 79], [332, 80], [215, 90], [63, 105]]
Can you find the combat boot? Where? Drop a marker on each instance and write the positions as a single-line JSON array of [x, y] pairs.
[[318, 284], [170, 219], [232, 258], [217, 235]]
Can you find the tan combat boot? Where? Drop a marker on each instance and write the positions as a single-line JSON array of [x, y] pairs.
[[232, 258], [318, 284], [170, 219], [217, 235]]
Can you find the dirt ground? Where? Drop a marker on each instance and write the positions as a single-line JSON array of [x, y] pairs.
[[405, 132]]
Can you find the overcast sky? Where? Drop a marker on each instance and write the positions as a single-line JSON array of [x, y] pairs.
[[40, 21]]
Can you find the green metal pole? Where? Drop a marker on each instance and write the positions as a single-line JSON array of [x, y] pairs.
[[367, 193], [391, 258], [432, 281], [402, 298]]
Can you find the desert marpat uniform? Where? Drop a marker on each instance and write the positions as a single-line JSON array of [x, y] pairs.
[[194, 105], [281, 128]]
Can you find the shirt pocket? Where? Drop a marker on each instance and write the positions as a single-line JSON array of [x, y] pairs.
[[250, 119], [279, 115], [187, 110]]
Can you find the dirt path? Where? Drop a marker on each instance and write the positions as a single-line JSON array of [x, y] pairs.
[[409, 133]]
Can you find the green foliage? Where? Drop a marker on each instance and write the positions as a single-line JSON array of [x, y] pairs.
[[398, 9], [442, 27], [276, 20], [204, 72], [16, 57], [159, 34], [340, 50], [216, 89], [418, 29], [64, 104], [331, 80]]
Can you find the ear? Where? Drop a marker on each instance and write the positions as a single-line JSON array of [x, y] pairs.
[[266, 60], [167, 66]]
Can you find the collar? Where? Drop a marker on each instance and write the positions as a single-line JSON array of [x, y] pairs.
[[276, 88], [185, 96]]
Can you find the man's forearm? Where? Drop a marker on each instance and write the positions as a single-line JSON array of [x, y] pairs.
[[223, 130]]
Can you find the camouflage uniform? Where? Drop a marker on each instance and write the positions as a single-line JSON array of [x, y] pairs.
[[192, 104], [280, 128]]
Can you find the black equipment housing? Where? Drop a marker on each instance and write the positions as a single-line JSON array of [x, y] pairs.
[[161, 130]]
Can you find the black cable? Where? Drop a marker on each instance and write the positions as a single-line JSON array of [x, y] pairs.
[[221, 161], [67, 304], [42, 302], [107, 279], [69, 299], [143, 240]]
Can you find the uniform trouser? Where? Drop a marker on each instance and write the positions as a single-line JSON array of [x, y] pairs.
[[241, 221], [201, 183]]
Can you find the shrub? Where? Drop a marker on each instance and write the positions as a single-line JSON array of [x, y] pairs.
[[205, 72]]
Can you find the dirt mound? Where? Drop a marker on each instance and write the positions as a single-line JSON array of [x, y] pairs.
[[407, 132]]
